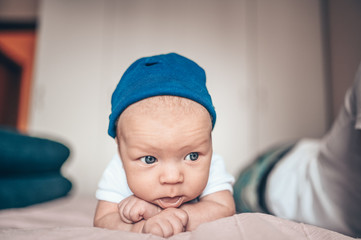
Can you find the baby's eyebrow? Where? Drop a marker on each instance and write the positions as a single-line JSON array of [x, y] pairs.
[[144, 148], [150, 148], [195, 144]]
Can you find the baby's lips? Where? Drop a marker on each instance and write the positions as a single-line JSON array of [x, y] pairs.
[[168, 202]]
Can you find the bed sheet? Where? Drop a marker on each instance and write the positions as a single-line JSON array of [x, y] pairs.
[[72, 218]]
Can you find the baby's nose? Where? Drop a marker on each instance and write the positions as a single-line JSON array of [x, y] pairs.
[[171, 174]]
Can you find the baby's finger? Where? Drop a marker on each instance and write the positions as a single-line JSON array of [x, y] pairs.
[[124, 218], [150, 211], [182, 216], [176, 224], [136, 212], [124, 211], [160, 227], [163, 228], [156, 229], [128, 210]]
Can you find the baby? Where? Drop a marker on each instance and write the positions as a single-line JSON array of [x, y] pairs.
[[165, 178]]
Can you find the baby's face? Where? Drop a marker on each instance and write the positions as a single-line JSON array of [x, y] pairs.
[[166, 150]]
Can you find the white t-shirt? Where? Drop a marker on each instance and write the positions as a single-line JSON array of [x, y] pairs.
[[113, 186]]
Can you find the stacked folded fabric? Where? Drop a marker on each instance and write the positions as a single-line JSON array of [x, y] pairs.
[[30, 169]]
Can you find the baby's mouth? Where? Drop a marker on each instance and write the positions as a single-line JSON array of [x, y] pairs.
[[170, 202]]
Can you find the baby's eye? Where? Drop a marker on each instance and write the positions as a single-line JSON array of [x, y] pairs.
[[192, 156], [148, 159]]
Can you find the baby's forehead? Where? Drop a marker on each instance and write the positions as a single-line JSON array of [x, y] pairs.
[[172, 104], [166, 109], [155, 107]]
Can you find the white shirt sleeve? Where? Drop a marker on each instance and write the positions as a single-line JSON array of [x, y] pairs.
[[219, 179], [113, 186]]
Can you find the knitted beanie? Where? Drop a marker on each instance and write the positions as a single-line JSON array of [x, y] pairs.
[[168, 74]]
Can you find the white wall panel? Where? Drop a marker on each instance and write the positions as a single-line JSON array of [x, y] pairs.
[[262, 59]]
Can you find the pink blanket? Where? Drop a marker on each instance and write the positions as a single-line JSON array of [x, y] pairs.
[[71, 218]]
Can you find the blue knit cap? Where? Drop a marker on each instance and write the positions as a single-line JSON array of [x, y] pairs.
[[169, 74]]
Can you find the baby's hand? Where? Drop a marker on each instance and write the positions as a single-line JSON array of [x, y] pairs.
[[167, 223], [133, 209]]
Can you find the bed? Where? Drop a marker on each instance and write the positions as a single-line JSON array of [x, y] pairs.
[[36, 204], [71, 217]]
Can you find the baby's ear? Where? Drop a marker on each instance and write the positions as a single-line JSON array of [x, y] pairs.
[[117, 140], [117, 143]]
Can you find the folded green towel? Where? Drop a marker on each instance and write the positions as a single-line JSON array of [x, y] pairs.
[[25, 191], [21, 154]]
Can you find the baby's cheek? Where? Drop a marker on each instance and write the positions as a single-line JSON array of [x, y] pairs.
[[139, 186], [198, 184]]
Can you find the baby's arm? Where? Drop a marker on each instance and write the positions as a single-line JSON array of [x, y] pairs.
[[211, 207]]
